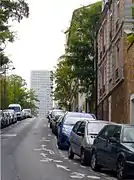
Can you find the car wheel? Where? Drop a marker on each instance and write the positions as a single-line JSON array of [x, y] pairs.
[[120, 168], [59, 145], [94, 164], [70, 153]]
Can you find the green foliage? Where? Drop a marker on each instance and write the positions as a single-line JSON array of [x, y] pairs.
[[10, 10], [62, 78], [79, 57], [130, 38], [3, 59], [17, 93], [82, 34]]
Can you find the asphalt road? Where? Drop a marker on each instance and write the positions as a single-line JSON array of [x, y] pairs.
[[29, 152]]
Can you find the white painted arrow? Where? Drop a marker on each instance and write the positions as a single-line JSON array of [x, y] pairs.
[[62, 167]]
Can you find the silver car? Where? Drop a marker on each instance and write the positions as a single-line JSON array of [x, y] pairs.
[[82, 138], [13, 116], [6, 117]]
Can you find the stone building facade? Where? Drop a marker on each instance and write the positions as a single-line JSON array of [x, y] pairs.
[[116, 62]]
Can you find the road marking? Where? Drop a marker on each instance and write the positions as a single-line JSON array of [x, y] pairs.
[[77, 175], [44, 160], [8, 135], [65, 158], [38, 149], [48, 150], [93, 177], [83, 167], [57, 161], [62, 167], [43, 154], [43, 145]]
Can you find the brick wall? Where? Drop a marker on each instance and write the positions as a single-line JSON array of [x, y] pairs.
[[121, 94]]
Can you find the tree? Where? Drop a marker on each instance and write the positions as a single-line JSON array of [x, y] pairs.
[[78, 59], [80, 46], [10, 10], [62, 78], [17, 93]]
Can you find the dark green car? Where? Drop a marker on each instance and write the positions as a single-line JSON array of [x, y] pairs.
[[113, 148]]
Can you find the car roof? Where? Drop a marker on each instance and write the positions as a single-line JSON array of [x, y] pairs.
[[95, 121], [122, 125], [80, 114]]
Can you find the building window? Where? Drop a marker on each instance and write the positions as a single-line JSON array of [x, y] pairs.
[[111, 25], [117, 58], [104, 78], [110, 66]]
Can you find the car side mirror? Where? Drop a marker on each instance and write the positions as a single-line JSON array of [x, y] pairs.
[[80, 134]]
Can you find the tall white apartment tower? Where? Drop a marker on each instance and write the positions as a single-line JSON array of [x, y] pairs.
[[42, 83]]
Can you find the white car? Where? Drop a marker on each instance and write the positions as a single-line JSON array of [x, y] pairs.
[[27, 113]]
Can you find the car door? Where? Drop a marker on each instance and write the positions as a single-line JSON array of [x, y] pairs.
[[113, 146], [101, 144], [79, 138], [73, 136]]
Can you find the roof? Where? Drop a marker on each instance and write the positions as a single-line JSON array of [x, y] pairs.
[[10, 105], [123, 125], [80, 114]]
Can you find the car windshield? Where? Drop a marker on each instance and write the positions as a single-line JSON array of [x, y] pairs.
[[71, 120], [16, 109], [94, 127], [128, 135]]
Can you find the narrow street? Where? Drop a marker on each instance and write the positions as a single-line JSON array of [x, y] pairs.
[[29, 152]]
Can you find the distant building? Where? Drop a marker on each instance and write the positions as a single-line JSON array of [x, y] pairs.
[[116, 62], [42, 84]]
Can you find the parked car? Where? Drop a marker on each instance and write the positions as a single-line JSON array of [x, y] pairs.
[[82, 138], [66, 125], [57, 124], [113, 148], [55, 120], [13, 116], [17, 108], [26, 113], [6, 117], [54, 114], [48, 116], [1, 119]]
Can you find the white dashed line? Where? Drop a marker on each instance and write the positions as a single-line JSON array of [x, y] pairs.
[[37, 149], [77, 175], [83, 166], [93, 177], [62, 167], [8, 135], [57, 161]]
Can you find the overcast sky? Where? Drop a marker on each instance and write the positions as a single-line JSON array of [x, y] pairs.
[[40, 38]]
